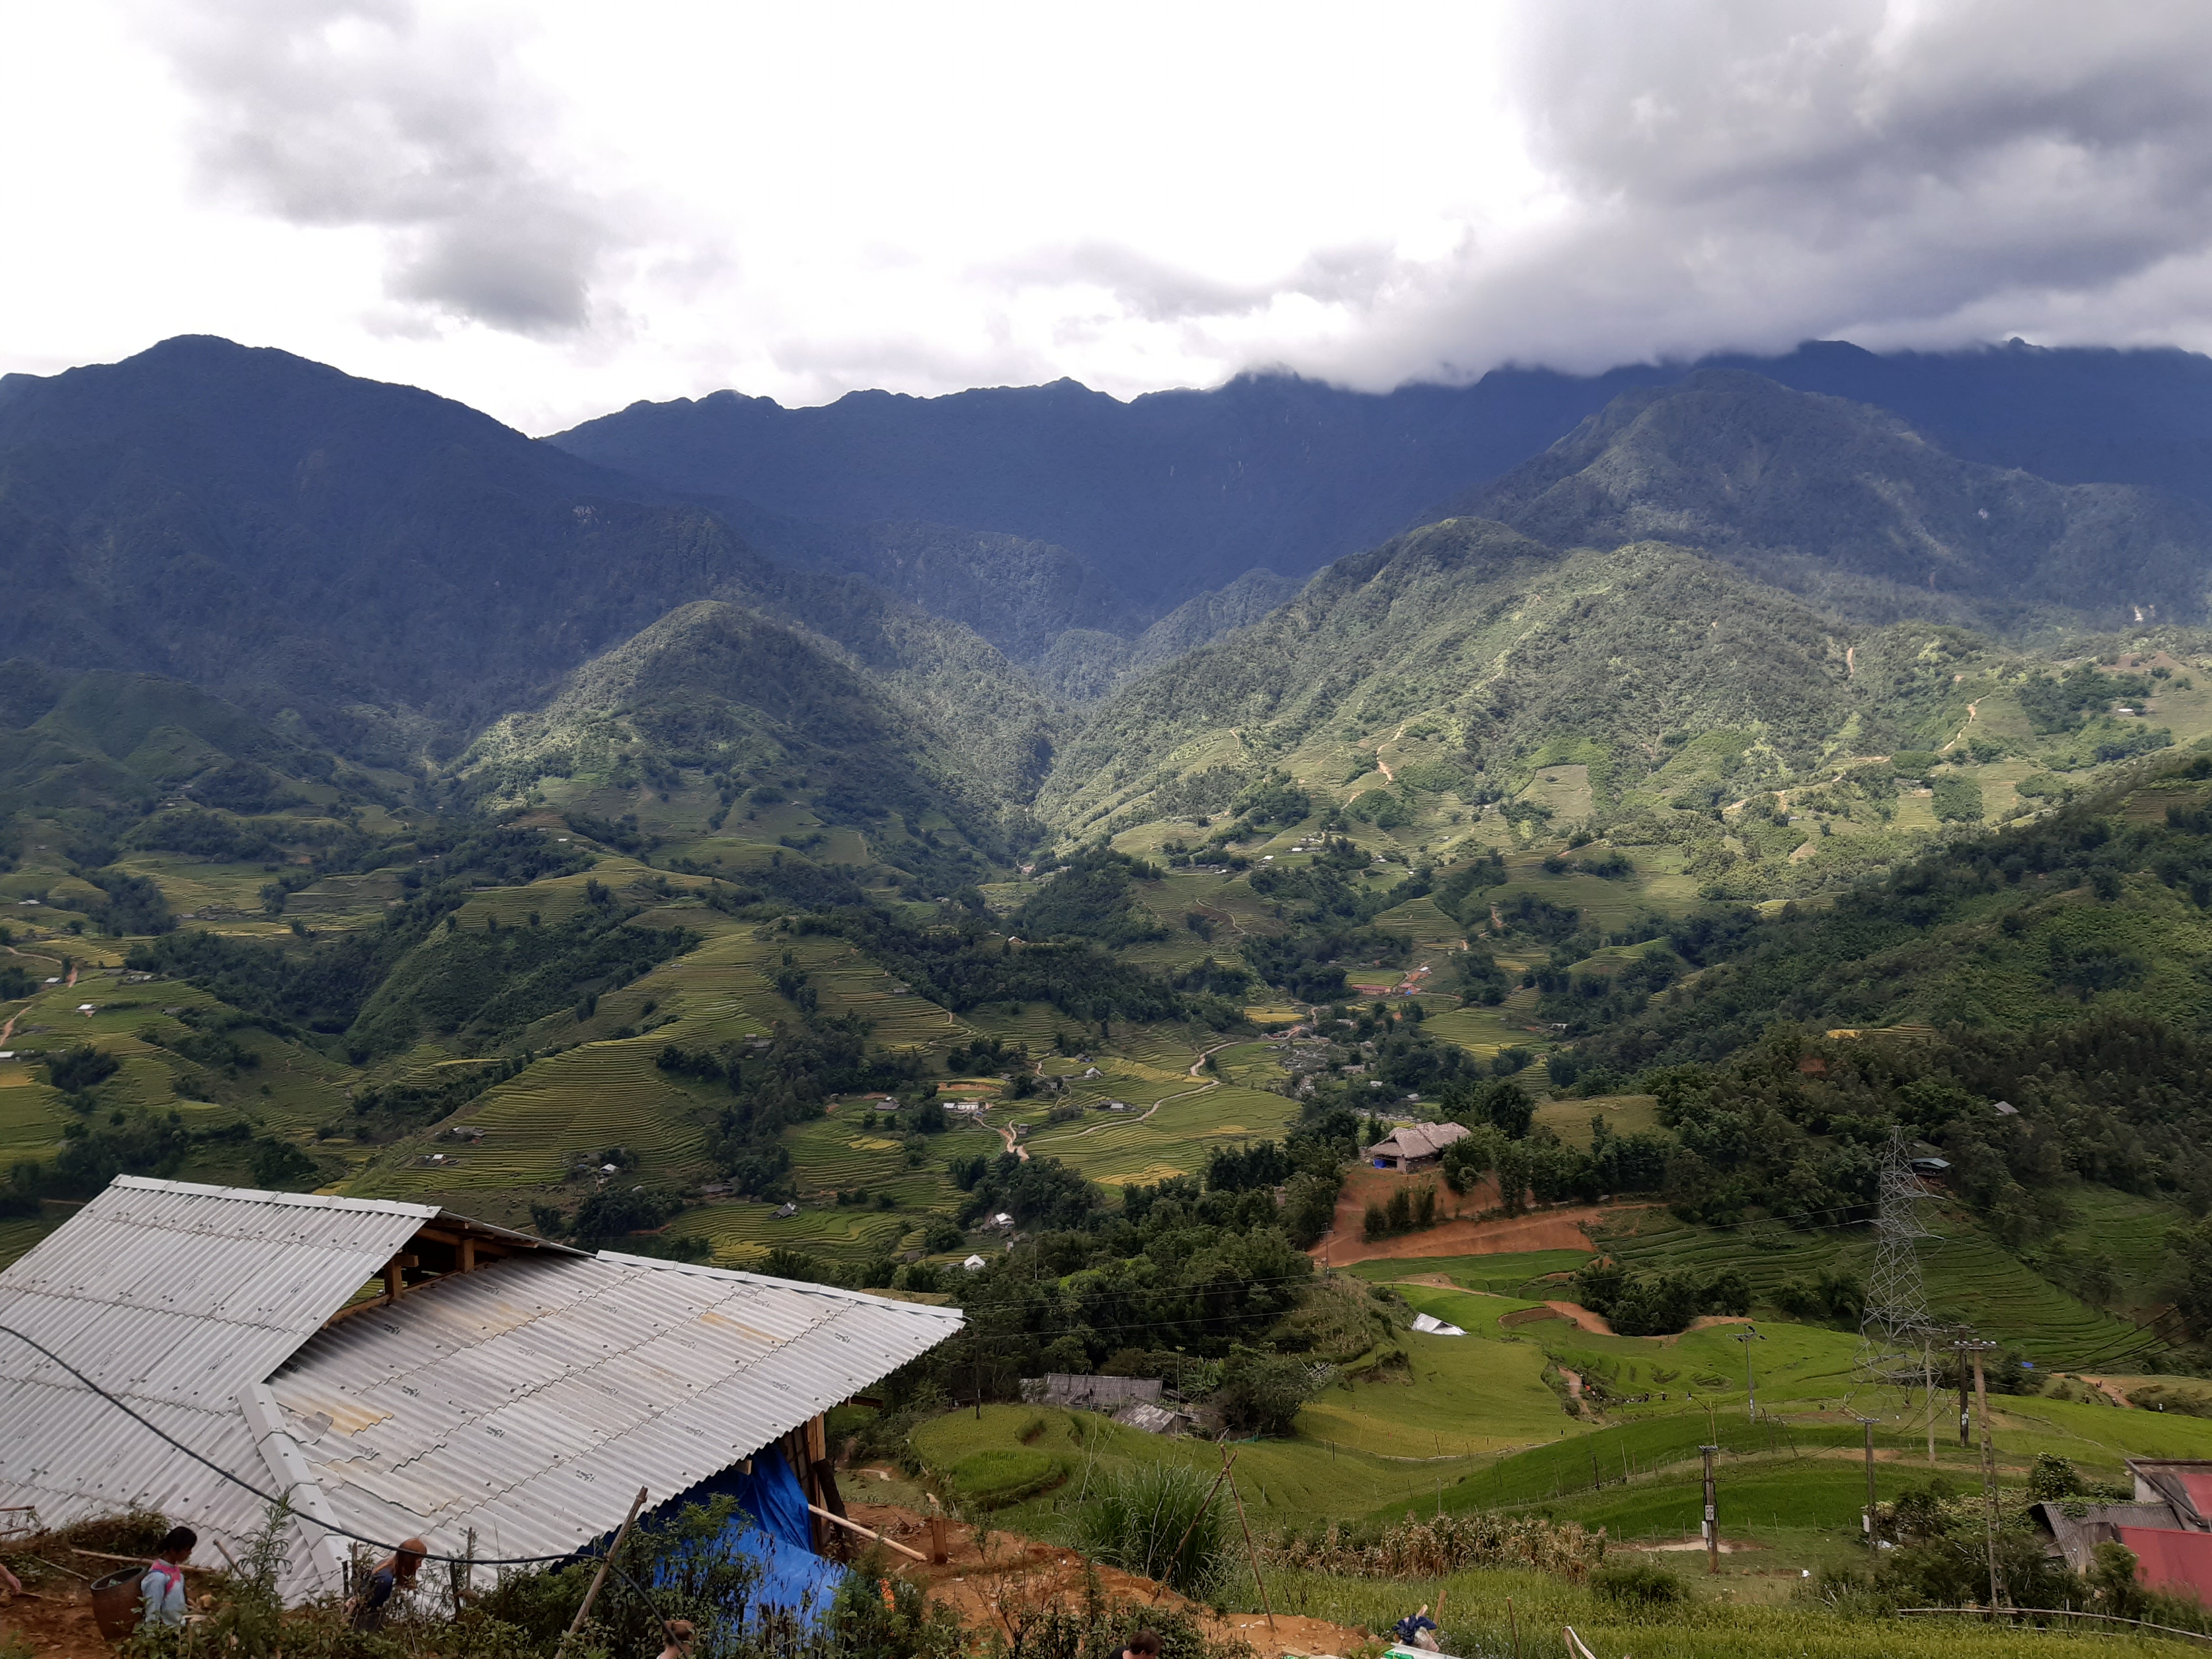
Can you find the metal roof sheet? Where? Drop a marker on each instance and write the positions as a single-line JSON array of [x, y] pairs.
[[526, 1401], [530, 1400]]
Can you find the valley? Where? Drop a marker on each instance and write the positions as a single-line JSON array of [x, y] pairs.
[[927, 908]]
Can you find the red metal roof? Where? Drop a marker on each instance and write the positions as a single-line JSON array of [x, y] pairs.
[[2168, 1559]]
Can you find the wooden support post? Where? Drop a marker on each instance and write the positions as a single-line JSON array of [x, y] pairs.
[[1159, 1584], [1867, 1423], [1712, 1518], [1251, 1548], [1927, 1375], [939, 1551], [1988, 1474], [468, 1254], [601, 1577]]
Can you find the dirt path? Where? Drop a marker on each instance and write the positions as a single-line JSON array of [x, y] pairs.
[[1180, 1094], [2111, 1390], [1574, 1314], [1021, 1153], [1850, 662]]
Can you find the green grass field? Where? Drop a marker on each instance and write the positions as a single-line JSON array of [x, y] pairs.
[[1117, 1148]]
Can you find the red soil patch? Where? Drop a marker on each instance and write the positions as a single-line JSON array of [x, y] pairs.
[[1577, 1314], [988, 1592], [1559, 1229]]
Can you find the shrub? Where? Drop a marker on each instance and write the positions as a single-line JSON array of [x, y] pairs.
[[1639, 1585], [79, 1069], [1135, 1518]]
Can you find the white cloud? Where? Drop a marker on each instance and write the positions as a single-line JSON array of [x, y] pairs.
[[549, 209]]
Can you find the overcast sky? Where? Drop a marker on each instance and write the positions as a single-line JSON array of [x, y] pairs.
[[550, 210]]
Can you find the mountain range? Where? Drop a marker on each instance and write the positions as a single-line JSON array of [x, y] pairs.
[[965, 607]]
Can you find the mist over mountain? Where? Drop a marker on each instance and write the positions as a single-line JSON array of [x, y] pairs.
[[1177, 493]]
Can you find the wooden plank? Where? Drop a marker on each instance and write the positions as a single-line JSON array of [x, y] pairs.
[[866, 1531]]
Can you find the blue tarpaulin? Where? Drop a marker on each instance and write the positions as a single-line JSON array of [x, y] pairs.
[[772, 1527]]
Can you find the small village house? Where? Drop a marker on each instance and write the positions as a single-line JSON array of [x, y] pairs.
[[1413, 1146]]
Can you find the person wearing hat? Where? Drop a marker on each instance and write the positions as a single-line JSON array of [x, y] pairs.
[[679, 1639]]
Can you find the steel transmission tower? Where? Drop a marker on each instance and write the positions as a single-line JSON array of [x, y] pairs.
[[1896, 1326]]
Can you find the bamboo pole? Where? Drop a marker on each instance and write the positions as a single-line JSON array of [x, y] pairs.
[[1160, 1584], [1251, 1548], [866, 1531], [608, 1560]]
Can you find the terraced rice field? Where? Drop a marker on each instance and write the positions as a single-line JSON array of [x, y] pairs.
[[1623, 1114], [1483, 1031], [1119, 1149], [1459, 1397], [1520, 1274], [742, 1232], [18, 1233], [2130, 1229], [190, 885], [31, 1113], [833, 1154], [1971, 1279], [1282, 1483], [581, 1101]]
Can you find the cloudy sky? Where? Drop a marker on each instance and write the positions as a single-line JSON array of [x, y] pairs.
[[550, 210]]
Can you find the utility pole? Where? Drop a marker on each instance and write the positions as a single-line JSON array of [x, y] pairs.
[[1965, 1439], [1712, 1524], [1989, 1458], [1928, 1373], [1867, 1423], [1750, 1383]]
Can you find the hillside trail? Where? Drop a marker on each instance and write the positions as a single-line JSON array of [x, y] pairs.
[[2111, 1390], [8, 1030], [72, 973], [1015, 1574], [1382, 765], [1228, 915], [1180, 1094], [1021, 1153]]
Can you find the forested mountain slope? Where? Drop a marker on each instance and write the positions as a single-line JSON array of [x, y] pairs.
[[1175, 492], [1849, 506], [391, 570], [1467, 647]]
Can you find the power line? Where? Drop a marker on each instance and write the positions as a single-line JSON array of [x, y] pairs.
[[266, 1498]]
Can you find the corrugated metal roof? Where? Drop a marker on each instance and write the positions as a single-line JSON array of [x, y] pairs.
[[528, 1400], [531, 1399], [174, 1296]]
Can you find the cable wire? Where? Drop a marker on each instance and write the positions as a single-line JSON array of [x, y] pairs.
[[246, 1485]]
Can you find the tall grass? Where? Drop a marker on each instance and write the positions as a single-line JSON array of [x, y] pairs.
[[1154, 1520], [1477, 1624]]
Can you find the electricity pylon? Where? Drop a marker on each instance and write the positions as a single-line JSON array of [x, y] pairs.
[[1896, 1326]]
